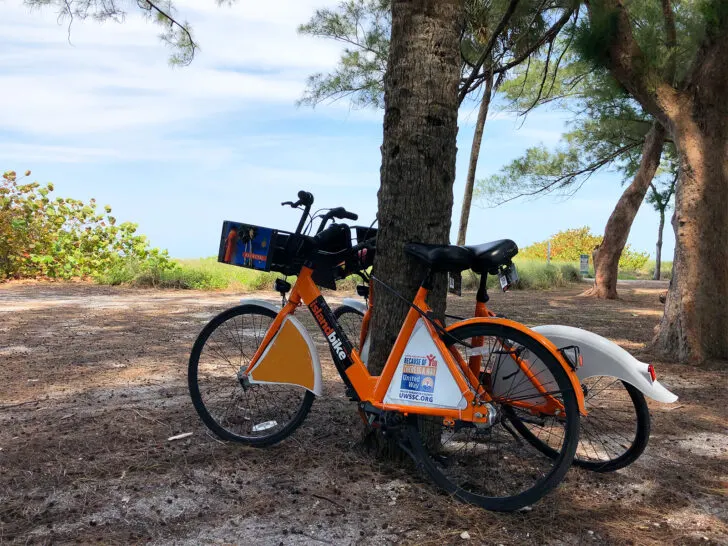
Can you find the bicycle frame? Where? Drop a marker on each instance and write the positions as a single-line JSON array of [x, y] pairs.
[[482, 312], [374, 388]]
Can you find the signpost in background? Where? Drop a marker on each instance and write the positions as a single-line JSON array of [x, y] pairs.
[[584, 264]]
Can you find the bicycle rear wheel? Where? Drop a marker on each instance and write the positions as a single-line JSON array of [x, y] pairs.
[[258, 414], [615, 431], [488, 464]]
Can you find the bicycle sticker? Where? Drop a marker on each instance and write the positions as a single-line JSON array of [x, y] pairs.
[[422, 377], [418, 378]]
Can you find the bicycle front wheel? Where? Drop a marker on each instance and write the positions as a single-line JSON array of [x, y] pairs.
[[258, 414], [350, 320], [489, 465]]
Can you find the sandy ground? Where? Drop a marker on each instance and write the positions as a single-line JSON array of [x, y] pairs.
[[93, 382]]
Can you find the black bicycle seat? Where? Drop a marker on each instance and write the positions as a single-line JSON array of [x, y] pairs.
[[441, 257], [488, 256]]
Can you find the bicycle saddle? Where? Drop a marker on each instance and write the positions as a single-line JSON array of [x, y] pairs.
[[441, 257], [489, 256]]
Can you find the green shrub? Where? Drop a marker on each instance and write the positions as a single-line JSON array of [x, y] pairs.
[[64, 238], [569, 245], [570, 273]]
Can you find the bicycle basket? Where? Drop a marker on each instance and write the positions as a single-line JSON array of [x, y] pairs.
[[246, 245]]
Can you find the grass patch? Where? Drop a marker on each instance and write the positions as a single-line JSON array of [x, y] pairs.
[[533, 274], [209, 274], [196, 274]]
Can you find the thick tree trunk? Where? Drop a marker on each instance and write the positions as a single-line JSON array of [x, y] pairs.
[[474, 154], [418, 156], [658, 250], [694, 327], [606, 265]]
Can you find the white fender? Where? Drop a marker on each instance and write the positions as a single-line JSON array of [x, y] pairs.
[[603, 357], [272, 367], [263, 303], [356, 304]]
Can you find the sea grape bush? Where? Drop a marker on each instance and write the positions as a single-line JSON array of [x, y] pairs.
[[63, 238], [568, 245]]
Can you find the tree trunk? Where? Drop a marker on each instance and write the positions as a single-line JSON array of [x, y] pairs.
[[658, 251], [474, 154], [418, 156], [694, 327], [606, 265]]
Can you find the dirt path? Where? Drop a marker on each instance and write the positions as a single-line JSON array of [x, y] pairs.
[[93, 382]]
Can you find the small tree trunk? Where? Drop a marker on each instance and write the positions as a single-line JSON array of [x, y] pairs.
[[418, 156], [658, 251], [474, 154], [606, 266]]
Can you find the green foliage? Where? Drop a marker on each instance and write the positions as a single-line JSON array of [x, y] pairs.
[[595, 34], [694, 19], [63, 238], [569, 245], [364, 25], [606, 133]]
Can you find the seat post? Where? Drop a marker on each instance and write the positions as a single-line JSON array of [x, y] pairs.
[[427, 283], [482, 294]]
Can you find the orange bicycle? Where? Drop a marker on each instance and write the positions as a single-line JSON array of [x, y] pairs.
[[617, 428], [254, 373]]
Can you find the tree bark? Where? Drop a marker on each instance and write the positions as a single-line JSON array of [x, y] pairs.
[[474, 155], [658, 250], [616, 232], [418, 156], [694, 327]]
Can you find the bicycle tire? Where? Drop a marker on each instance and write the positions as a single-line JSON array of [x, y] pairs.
[[272, 428], [456, 473], [607, 448]]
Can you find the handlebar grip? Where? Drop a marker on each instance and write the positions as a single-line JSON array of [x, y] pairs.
[[342, 214], [305, 198], [349, 216]]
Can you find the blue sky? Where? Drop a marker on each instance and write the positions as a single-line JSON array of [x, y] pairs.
[[178, 150]]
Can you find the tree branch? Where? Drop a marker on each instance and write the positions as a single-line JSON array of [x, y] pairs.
[[670, 40], [548, 36], [569, 177], [465, 89], [630, 67]]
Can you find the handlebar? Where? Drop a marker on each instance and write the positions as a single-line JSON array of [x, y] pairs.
[[340, 213], [306, 199]]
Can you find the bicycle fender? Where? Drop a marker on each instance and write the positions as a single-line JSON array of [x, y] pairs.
[[355, 304], [290, 358], [604, 357], [262, 303], [543, 340]]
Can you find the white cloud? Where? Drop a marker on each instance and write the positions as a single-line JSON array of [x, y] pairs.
[[115, 77]]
